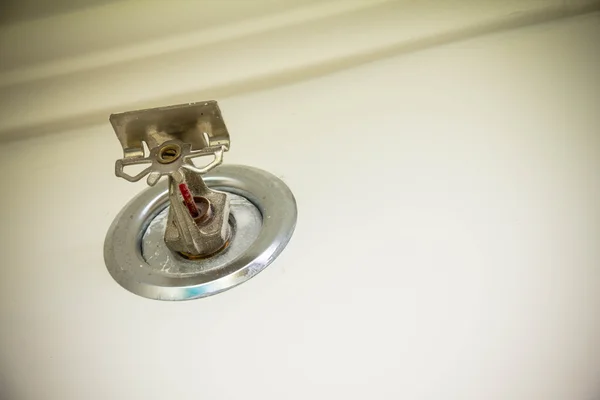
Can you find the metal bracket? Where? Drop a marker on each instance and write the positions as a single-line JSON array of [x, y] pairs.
[[198, 217], [174, 135]]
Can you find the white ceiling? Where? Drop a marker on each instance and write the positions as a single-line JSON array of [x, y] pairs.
[[22, 10]]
